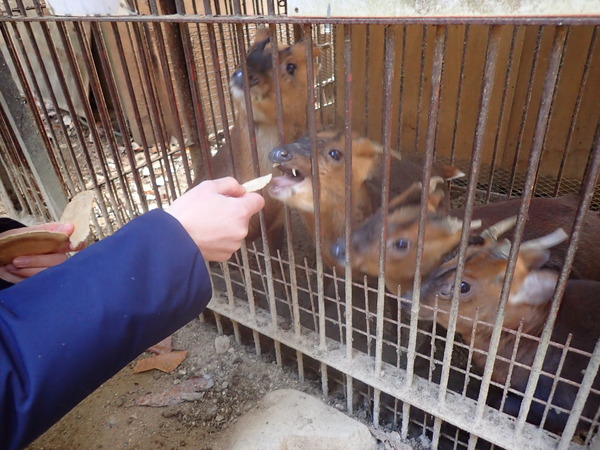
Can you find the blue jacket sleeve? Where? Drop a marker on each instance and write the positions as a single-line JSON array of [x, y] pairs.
[[70, 328]]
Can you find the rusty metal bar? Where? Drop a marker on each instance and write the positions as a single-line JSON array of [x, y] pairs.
[[440, 42], [196, 98], [238, 18], [480, 131], [501, 117], [311, 126], [137, 115], [463, 58], [550, 83], [591, 176], [348, 205], [575, 115], [114, 96], [174, 107], [525, 112], [388, 77], [401, 95], [98, 94], [588, 378]]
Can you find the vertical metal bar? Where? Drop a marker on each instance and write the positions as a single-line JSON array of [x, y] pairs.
[[438, 61], [401, 95], [16, 59], [563, 356], [437, 428], [549, 88], [31, 142], [160, 134], [82, 94], [311, 125], [480, 130], [525, 112], [99, 97], [96, 88], [348, 204], [367, 79], [118, 106], [459, 93], [26, 192], [168, 80], [201, 134], [513, 358], [388, 78], [586, 385], [425, 29], [470, 351], [575, 115], [136, 112], [501, 117]]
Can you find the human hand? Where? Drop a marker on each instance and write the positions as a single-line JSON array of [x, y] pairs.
[[216, 214], [25, 266]]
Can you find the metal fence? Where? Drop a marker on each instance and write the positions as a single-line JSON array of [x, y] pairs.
[[134, 107]]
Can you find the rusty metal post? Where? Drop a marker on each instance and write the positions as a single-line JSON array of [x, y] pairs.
[[22, 121]]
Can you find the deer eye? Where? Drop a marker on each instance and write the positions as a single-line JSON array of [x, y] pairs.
[[400, 245], [446, 290], [335, 154], [290, 68], [465, 287]]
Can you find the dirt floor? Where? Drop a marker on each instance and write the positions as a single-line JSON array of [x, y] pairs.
[[110, 418]]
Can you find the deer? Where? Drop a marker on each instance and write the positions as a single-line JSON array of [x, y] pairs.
[[293, 83], [294, 186], [443, 231], [526, 310]]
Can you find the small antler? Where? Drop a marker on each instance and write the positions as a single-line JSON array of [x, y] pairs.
[[498, 229], [548, 241]]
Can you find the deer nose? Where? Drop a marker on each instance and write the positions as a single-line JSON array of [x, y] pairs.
[[338, 251], [236, 78], [280, 154]]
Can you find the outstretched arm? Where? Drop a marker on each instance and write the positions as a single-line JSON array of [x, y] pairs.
[[71, 327]]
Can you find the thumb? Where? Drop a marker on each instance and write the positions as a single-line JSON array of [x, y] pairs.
[[254, 201], [66, 228]]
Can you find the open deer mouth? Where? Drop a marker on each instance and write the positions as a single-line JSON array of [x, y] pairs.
[[284, 184]]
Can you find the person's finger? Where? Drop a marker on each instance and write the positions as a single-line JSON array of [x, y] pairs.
[[39, 261], [78, 248], [6, 275], [228, 186], [254, 202], [24, 273]]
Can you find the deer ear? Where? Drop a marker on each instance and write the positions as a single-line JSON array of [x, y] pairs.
[[537, 288], [534, 258], [261, 34]]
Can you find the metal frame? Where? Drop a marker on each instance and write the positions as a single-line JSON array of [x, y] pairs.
[[132, 180]]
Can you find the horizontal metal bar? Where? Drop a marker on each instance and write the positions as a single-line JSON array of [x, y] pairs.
[[241, 19]]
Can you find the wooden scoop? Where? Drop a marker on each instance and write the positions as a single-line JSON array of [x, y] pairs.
[[39, 242]]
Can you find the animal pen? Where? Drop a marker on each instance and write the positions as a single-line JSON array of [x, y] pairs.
[[134, 107]]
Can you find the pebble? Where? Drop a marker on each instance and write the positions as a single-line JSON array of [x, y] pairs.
[[221, 344]]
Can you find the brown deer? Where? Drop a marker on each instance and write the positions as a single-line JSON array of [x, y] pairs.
[[295, 186], [442, 235], [527, 308], [293, 83]]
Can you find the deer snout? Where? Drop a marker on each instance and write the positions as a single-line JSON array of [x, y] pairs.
[[280, 155], [338, 251], [236, 78]]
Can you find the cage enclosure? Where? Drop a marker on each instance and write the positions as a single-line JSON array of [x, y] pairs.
[[372, 268]]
